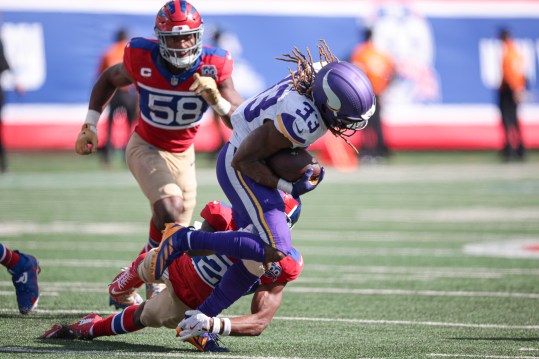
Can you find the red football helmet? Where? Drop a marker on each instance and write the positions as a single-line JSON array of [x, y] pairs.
[[179, 18]]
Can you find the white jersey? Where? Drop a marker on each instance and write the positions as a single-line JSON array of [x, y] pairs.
[[294, 115]]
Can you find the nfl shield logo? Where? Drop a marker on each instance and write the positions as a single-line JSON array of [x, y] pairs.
[[173, 81]]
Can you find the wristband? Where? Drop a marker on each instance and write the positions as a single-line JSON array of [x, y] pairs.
[[227, 326], [284, 186], [216, 325], [92, 117], [90, 127], [222, 107]]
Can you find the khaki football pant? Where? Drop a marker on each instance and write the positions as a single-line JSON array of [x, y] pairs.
[[161, 174], [164, 309]]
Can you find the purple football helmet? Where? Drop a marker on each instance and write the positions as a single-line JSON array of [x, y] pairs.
[[343, 94]]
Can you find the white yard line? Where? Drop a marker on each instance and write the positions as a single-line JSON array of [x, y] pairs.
[[412, 322], [423, 293], [365, 174], [54, 288]]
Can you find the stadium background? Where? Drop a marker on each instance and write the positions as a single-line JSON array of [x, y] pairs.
[[447, 52]]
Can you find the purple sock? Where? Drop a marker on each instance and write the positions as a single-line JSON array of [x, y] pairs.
[[236, 282], [234, 244]]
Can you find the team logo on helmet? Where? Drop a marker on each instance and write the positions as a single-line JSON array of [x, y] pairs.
[[369, 113], [274, 271], [333, 101], [209, 70]]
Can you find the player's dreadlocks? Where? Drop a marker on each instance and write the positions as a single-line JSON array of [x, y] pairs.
[[303, 77]]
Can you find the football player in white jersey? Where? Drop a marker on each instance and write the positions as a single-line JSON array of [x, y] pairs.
[[295, 112]]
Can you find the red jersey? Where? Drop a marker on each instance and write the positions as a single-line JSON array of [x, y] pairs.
[[193, 279], [170, 114]]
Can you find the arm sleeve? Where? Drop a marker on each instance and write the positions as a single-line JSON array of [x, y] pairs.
[[236, 282]]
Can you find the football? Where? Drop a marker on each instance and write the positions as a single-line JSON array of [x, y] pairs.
[[290, 164]]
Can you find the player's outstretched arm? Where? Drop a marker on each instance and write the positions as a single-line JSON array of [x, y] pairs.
[[111, 79], [229, 92], [266, 301]]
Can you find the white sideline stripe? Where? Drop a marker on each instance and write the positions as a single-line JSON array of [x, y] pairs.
[[135, 354], [325, 268], [54, 288], [321, 235], [427, 293], [39, 311], [85, 263], [300, 235], [352, 269], [364, 174], [60, 227], [479, 356], [411, 322]]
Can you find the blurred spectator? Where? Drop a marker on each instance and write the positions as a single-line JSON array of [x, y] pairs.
[[511, 93], [4, 66], [123, 105], [380, 69]]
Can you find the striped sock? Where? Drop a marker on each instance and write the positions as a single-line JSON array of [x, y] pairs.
[[8, 257], [154, 238], [121, 323]]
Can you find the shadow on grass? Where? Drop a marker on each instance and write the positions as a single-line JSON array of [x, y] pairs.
[[91, 347]]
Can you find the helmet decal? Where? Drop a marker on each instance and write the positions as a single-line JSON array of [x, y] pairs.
[[370, 112], [333, 102]]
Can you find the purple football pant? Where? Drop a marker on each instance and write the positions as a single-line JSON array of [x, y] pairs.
[[253, 203]]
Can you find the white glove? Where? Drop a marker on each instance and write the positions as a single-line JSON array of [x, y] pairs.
[[207, 88], [87, 136], [196, 323]]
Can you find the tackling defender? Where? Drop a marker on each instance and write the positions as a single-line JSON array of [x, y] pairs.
[[189, 281], [176, 78], [295, 112]]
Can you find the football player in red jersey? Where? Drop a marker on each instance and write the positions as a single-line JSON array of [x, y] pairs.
[[190, 280], [177, 79]]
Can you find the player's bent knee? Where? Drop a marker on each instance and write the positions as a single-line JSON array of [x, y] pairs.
[[160, 312]]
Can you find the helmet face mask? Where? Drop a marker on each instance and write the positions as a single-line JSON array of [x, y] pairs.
[[344, 97], [176, 19]]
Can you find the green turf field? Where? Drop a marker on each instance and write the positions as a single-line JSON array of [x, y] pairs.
[[431, 255]]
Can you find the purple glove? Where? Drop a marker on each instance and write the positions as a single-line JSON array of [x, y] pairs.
[[304, 184]]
